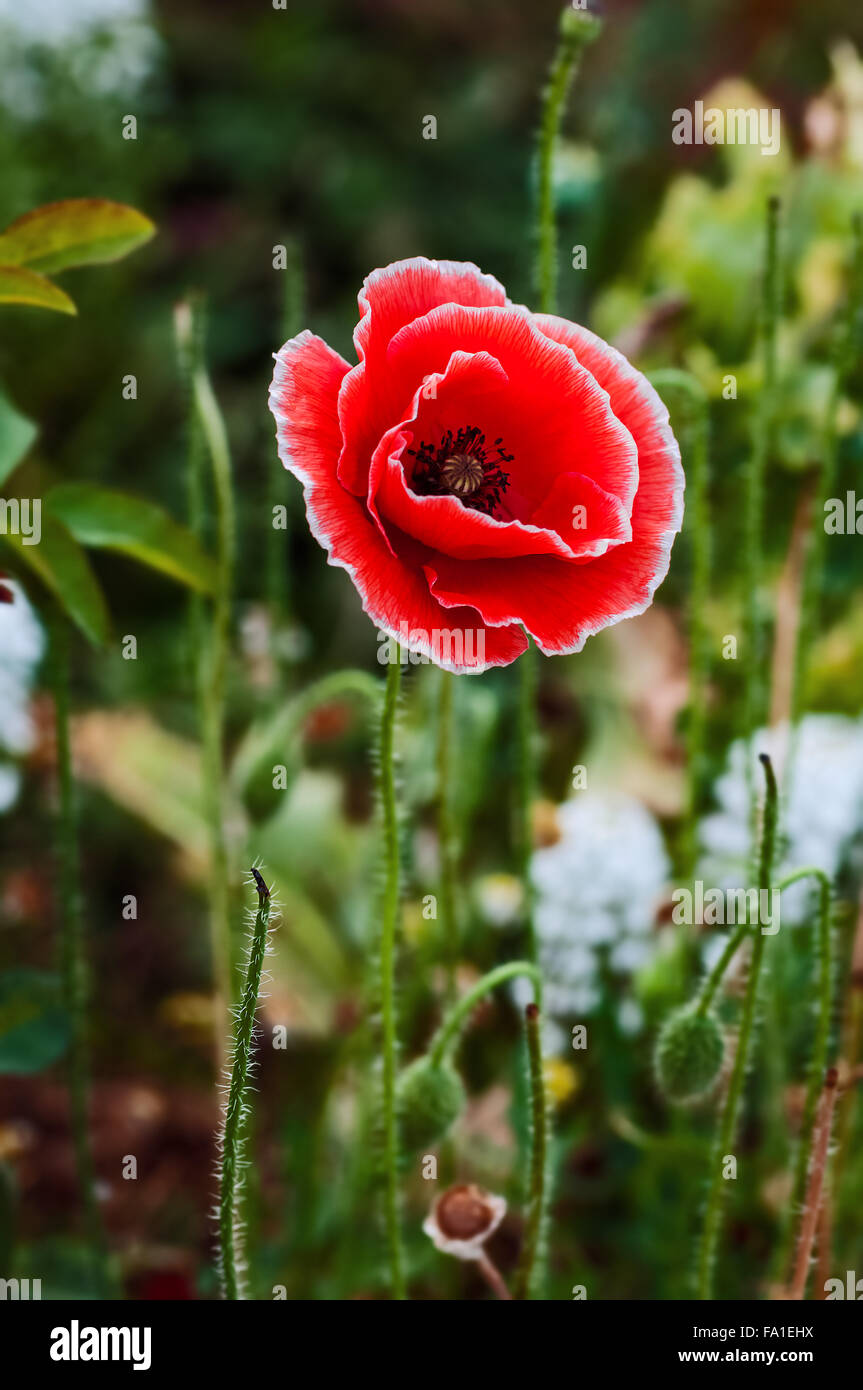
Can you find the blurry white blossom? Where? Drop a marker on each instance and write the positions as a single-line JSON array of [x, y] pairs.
[[821, 805], [597, 890], [106, 46], [22, 643]]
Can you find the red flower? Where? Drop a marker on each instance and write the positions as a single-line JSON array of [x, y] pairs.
[[482, 470]]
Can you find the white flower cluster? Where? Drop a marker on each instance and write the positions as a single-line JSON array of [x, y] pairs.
[[597, 890], [821, 805], [22, 643]]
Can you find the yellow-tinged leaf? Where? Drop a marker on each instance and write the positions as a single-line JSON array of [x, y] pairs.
[[76, 231], [18, 285]]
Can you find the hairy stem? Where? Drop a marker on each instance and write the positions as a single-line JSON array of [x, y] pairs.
[[525, 783], [815, 1189], [717, 974], [728, 1124], [852, 1038], [447, 1035], [75, 972], [446, 828], [213, 663], [755, 474], [236, 1111], [387, 793], [529, 1281], [844, 358], [577, 30], [818, 1060]]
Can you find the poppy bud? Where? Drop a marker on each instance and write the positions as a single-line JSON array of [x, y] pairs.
[[430, 1098], [577, 23], [689, 1054]]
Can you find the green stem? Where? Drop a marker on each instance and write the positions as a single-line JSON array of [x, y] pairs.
[[75, 973], [529, 1279], [814, 568], [714, 979], [728, 1125], [213, 665], [446, 1036], [525, 783], [236, 1108], [821, 1041], [189, 331], [577, 30], [446, 828], [387, 792], [755, 475]]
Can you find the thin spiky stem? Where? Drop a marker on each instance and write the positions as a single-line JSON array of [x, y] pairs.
[[390, 912], [821, 1041], [525, 784], [844, 358], [728, 1124], [577, 30], [815, 1189], [717, 974], [446, 828], [852, 1037], [756, 471], [530, 1277], [236, 1107]]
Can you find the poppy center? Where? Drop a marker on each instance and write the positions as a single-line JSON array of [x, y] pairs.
[[462, 1214], [463, 466]]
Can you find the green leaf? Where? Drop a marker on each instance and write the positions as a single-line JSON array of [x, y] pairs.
[[62, 566], [110, 520], [21, 286], [34, 1025], [16, 435], [77, 231]]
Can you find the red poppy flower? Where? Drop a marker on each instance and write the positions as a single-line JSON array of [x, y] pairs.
[[483, 470]]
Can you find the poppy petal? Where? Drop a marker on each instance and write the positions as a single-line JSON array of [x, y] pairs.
[[394, 591]]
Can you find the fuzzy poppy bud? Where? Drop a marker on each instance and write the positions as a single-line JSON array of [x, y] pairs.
[[430, 1098], [689, 1054], [578, 24]]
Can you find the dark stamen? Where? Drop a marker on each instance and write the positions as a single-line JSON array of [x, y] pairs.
[[460, 466]]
